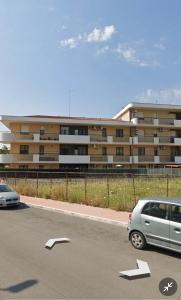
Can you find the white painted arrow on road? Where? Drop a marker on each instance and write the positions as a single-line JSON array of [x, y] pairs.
[[52, 242], [143, 269]]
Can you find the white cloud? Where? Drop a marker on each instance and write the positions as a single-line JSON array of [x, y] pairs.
[[51, 9], [63, 27], [95, 36], [159, 46], [130, 55], [101, 35], [168, 95], [103, 50], [135, 53], [71, 43]]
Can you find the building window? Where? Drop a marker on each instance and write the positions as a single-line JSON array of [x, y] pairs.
[[41, 150], [119, 132], [24, 149], [64, 130], [120, 151], [155, 152], [141, 151], [42, 130], [104, 151], [104, 132]]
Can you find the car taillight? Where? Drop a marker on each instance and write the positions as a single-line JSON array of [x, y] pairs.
[[130, 218]]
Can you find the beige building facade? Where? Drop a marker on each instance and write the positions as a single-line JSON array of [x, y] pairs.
[[140, 135]]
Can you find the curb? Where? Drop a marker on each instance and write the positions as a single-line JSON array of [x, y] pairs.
[[80, 215]]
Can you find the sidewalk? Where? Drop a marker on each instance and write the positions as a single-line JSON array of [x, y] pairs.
[[105, 215]]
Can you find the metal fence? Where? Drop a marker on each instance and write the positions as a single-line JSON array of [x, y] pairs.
[[103, 190]]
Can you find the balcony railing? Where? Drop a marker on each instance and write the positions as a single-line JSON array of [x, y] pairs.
[[120, 158], [156, 121], [98, 138], [49, 137], [166, 121], [63, 132], [167, 158], [98, 158], [146, 139], [166, 139], [22, 157], [145, 120], [23, 135], [48, 157], [146, 158], [122, 139]]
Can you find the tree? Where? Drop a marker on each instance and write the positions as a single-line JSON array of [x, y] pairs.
[[4, 149]]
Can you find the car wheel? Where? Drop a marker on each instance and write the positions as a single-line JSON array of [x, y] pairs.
[[138, 240]]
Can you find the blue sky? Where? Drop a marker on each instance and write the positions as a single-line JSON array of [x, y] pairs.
[[102, 53]]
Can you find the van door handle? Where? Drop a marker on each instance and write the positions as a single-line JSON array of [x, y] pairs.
[[177, 230], [147, 222]]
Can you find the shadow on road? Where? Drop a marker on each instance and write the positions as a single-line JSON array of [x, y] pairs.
[[163, 251], [20, 286], [16, 207]]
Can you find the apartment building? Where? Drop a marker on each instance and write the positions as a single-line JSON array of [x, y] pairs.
[[140, 135]]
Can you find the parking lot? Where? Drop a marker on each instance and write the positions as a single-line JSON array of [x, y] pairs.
[[87, 267]]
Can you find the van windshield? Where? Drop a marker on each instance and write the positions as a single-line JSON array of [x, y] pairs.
[[5, 188]]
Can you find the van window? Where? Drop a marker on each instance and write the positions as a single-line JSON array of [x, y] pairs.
[[175, 213], [158, 210]]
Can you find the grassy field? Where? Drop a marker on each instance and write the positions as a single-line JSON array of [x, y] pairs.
[[115, 193]]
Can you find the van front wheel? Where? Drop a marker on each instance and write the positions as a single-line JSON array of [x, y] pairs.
[[138, 240]]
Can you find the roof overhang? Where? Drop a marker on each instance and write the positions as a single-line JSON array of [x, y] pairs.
[[149, 106], [7, 120]]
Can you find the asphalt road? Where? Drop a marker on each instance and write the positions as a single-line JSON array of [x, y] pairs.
[[86, 268]]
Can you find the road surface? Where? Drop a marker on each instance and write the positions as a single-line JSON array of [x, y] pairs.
[[86, 268]]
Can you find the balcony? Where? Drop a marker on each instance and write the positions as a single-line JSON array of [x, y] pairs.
[[177, 141], [110, 159], [162, 159], [166, 159], [49, 137], [6, 137], [51, 157], [156, 121], [166, 139], [121, 159], [145, 139], [120, 140], [99, 158], [74, 139], [98, 138], [166, 121], [144, 120], [177, 123], [5, 158], [26, 158], [146, 158], [178, 159], [74, 159], [156, 140]]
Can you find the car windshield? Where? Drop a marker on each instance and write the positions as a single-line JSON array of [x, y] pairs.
[[5, 188]]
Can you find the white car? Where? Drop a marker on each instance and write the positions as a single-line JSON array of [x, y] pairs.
[[8, 197]]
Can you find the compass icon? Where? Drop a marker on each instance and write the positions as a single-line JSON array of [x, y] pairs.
[[168, 286]]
